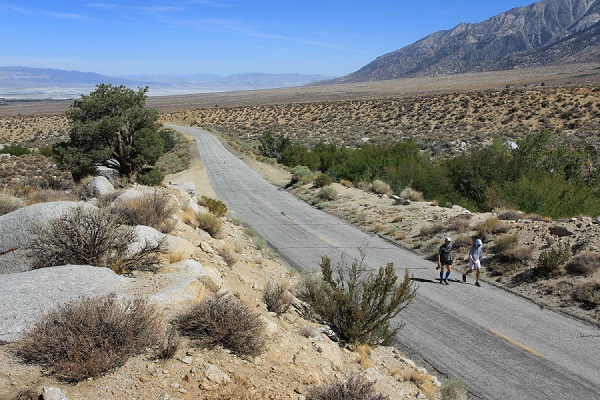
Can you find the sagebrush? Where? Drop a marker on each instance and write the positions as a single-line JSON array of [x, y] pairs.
[[91, 236], [224, 321], [90, 336], [352, 388]]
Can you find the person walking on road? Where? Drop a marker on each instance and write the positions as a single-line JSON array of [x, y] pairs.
[[474, 261], [445, 260]]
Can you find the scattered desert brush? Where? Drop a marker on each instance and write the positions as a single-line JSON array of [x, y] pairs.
[[215, 206], [224, 321], [91, 236], [550, 261], [277, 297], [210, 223], [153, 209], [91, 336], [9, 203], [588, 293], [411, 194], [584, 263], [352, 388], [327, 193]]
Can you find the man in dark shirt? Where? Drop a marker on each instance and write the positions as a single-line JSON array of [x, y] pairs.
[[445, 260]]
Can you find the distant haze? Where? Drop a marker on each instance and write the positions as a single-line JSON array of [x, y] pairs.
[[45, 83]]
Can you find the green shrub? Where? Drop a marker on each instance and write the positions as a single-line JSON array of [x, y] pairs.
[[91, 236], [169, 141], [549, 261], [152, 177], [301, 175], [353, 388], [224, 321], [322, 180], [359, 307], [327, 193], [47, 152], [14, 150], [91, 336], [216, 207], [454, 389], [504, 243]]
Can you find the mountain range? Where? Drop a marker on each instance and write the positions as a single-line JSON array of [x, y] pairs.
[[26, 82], [546, 32]]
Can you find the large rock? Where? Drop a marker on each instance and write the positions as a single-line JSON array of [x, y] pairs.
[[14, 231], [131, 194], [24, 297], [171, 244], [188, 187], [100, 186], [189, 280]]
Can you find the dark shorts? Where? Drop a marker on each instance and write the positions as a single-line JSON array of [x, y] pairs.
[[446, 262]]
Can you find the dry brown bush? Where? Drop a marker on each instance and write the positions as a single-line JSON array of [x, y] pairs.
[[432, 229], [224, 321], [210, 223], [91, 236], [152, 209], [380, 187], [352, 388], [9, 203], [588, 293], [411, 194], [584, 263], [229, 254], [487, 227], [277, 297], [510, 215], [88, 337]]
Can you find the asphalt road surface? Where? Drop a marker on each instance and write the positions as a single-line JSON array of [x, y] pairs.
[[500, 345]]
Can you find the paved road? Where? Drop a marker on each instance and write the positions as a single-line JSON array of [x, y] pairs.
[[501, 345]]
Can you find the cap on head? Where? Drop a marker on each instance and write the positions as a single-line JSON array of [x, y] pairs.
[[478, 242], [448, 239]]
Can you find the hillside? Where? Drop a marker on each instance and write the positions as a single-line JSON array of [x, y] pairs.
[[546, 32]]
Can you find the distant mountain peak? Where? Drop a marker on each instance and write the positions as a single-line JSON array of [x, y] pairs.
[[546, 32]]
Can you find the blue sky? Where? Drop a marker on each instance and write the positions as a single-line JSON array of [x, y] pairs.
[[223, 37]]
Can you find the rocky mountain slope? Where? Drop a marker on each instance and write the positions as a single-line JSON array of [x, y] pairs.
[[549, 31]]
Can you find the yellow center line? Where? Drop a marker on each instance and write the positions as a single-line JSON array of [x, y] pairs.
[[326, 241], [516, 343]]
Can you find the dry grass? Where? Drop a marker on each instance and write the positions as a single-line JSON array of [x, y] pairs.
[[210, 223], [380, 187], [229, 254], [363, 353], [411, 194]]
